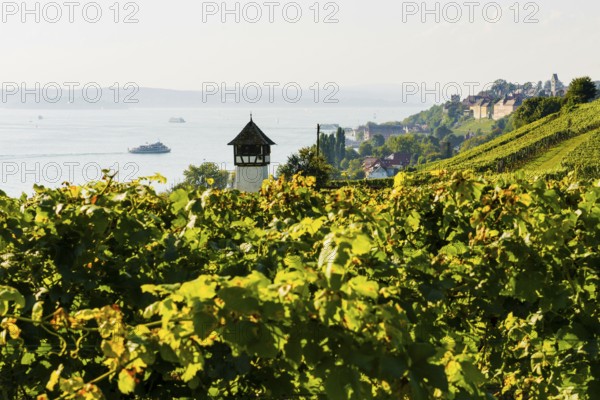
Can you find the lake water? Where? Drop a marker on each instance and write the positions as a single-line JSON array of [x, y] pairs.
[[75, 145]]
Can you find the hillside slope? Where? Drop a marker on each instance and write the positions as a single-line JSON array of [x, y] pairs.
[[474, 125], [559, 143]]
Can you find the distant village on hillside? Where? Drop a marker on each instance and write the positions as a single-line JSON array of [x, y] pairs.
[[485, 105], [499, 102]]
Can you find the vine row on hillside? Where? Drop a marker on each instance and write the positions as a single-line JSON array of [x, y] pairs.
[[462, 287]]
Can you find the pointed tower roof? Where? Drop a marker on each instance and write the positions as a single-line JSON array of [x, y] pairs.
[[252, 135]]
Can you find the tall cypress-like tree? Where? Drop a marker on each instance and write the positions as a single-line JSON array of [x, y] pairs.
[[332, 150], [334, 147], [327, 146], [340, 142]]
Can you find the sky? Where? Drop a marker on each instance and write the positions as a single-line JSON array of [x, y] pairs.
[[184, 44]]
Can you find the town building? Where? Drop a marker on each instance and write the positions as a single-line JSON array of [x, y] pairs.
[[379, 172], [506, 106], [376, 168], [554, 82], [369, 163], [480, 107], [557, 88], [398, 161]]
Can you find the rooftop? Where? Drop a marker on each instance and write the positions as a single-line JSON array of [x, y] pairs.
[[251, 135]]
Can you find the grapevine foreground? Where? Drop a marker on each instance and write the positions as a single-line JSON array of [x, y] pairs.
[[461, 287]]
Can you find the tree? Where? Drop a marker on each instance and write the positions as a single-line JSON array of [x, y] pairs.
[[441, 132], [365, 149], [344, 164], [351, 154], [355, 170], [333, 147], [582, 90], [536, 108], [206, 175], [500, 88], [432, 117], [378, 141], [405, 144], [340, 146], [446, 149], [306, 163], [455, 111], [454, 140], [382, 152]]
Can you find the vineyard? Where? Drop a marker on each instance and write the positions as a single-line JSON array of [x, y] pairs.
[[460, 287], [585, 159], [515, 150]]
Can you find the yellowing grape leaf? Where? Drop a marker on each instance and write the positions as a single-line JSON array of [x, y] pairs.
[[126, 382], [54, 377], [361, 245]]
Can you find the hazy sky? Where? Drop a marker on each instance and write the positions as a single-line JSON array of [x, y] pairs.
[[171, 46]]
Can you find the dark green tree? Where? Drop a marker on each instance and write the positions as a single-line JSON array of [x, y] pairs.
[[536, 108], [382, 152], [306, 163], [340, 146], [378, 140], [441, 132], [206, 175], [405, 143], [355, 170], [333, 147], [446, 149], [351, 154], [365, 149], [582, 90]]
